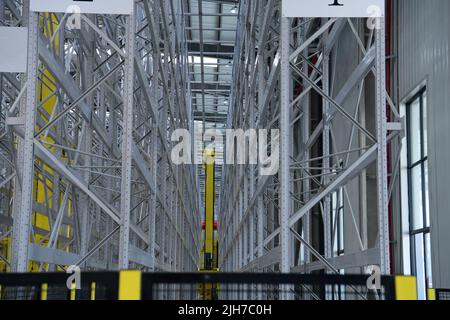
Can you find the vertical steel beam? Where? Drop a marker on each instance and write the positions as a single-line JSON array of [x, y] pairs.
[[153, 198], [382, 179], [127, 141], [285, 147], [326, 160], [22, 219], [88, 80], [261, 86], [306, 129]]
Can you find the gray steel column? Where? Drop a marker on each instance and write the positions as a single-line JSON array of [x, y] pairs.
[[306, 188], [245, 221], [88, 79], [285, 146], [326, 210], [127, 141], [22, 219], [260, 210], [153, 198], [382, 180]]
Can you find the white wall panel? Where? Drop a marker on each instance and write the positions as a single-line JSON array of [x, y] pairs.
[[13, 52], [333, 8], [86, 6], [424, 54]]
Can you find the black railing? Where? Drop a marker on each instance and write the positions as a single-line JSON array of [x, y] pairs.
[[53, 286], [264, 286], [192, 286], [443, 294]]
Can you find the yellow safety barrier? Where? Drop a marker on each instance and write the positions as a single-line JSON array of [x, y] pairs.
[[73, 291], [431, 294], [130, 285], [93, 285], [405, 288], [44, 288]]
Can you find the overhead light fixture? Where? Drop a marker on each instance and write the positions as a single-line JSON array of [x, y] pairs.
[[234, 9]]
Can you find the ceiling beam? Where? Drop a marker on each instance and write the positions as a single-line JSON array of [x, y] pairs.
[[209, 86], [211, 48]]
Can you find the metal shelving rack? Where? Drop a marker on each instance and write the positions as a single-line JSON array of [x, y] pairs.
[[90, 177], [285, 74]]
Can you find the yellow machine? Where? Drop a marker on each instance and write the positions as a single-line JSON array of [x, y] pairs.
[[210, 251]]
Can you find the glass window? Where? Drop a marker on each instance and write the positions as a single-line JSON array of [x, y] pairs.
[[415, 131], [419, 212], [416, 199], [337, 220]]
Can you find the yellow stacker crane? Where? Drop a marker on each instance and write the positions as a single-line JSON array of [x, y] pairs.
[[209, 253]]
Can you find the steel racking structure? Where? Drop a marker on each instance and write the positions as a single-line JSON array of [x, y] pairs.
[[86, 143], [336, 125], [85, 140]]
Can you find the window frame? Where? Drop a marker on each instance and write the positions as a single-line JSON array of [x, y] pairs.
[[425, 229]]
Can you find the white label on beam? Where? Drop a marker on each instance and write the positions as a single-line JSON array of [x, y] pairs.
[[85, 6], [333, 8], [13, 52]]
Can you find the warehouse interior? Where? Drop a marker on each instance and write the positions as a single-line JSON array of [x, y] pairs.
[[354, 117]]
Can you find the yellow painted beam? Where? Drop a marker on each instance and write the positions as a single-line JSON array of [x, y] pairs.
[[405, 288], [209, 201], [130, 285]]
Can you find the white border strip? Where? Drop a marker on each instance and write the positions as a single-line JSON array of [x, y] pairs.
[[125, 7], [333, 8]]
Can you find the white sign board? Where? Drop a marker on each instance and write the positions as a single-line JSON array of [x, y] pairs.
[[13, 51], [333, 8], [83, 6]]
